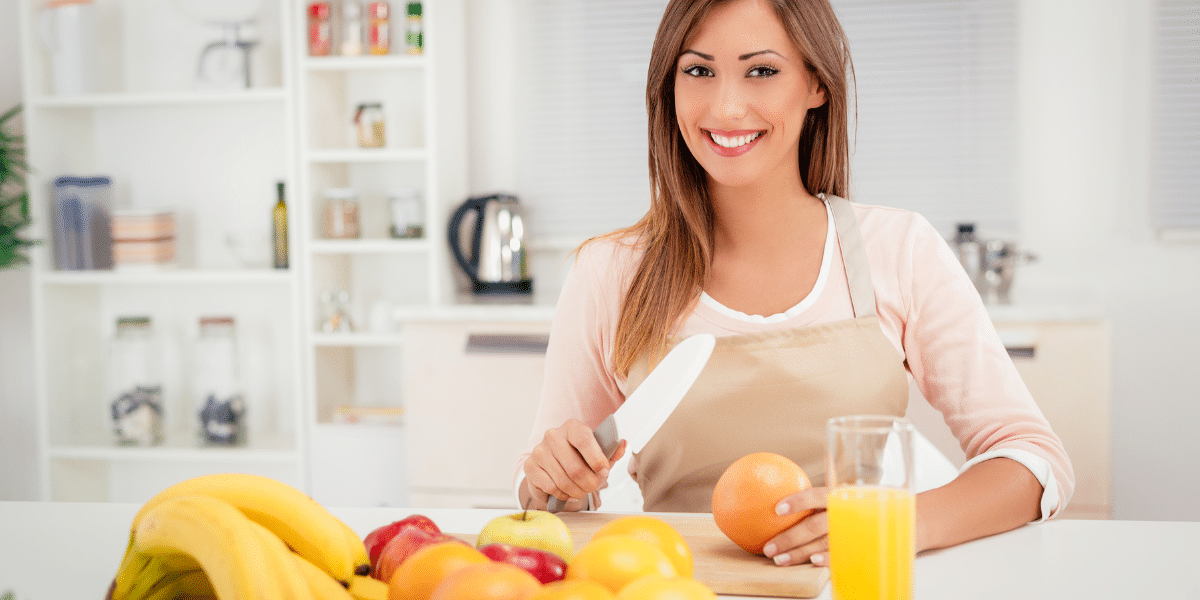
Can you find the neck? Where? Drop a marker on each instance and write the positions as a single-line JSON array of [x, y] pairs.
[[760, 217]]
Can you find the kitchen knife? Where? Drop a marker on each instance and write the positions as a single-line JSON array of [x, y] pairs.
[[647, 408]]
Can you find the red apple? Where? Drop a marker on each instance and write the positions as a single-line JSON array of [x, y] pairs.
[[377, 539], [547, 567], [403, 545]]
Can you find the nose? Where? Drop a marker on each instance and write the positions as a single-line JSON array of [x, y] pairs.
[[730, 103]]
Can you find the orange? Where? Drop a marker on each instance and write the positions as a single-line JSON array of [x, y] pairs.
[[663, 588], [487, 581], [416, 577], [657, 532], [615, 560], [745, 496], [579, 589]]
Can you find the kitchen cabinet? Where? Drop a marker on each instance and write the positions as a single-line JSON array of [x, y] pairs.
[[211, 157], [1065, 363]]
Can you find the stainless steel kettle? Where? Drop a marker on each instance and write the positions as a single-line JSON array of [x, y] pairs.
[[991, 264], [497, 262]]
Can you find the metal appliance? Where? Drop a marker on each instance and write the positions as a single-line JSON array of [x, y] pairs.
[[497, 261], [991, 264]]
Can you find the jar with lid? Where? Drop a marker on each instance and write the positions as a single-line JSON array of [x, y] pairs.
[[341, 213], [408, 213], [379, 31], [368, 118], [220, 406], [352, 28], [135, 405]]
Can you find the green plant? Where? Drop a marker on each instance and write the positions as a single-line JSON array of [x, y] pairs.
[[14, 197]]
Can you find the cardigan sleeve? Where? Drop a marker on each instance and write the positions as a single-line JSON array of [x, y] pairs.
[[963, 370], [579, 382]]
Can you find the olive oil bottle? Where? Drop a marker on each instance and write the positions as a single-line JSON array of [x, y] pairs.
[[279, 218]]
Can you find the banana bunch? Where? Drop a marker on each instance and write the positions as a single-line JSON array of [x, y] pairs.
[[235, 536]]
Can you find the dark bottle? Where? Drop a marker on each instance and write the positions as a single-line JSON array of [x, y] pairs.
[[279, 218]]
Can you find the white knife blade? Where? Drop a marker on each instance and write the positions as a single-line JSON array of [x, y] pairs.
[[649, 406]]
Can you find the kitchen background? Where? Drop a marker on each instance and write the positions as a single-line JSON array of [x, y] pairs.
[[1083, 140]]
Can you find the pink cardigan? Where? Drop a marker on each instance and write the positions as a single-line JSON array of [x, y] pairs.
[[927, 307]]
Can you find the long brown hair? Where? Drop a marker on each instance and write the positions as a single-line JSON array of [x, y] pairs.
[[677, 232]]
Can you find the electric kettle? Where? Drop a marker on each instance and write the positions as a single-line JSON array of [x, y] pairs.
[[498, 259]]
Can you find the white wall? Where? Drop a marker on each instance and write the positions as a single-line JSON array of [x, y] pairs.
[[1086, 193], [18, 442], [1086, 189]]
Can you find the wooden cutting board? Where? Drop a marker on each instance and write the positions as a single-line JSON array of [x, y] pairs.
[[720, 564]]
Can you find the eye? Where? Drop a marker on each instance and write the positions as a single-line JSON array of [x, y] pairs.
[[698, 71], [762, 71]]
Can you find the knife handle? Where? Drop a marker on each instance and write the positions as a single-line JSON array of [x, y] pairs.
[[606, 435]]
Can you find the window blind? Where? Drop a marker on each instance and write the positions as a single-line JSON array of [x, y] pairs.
[[936, 110], [1176, 203]]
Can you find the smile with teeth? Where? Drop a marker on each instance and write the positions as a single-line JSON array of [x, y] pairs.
[[734, 142]]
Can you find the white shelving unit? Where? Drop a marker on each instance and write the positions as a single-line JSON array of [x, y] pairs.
[[211, 156]]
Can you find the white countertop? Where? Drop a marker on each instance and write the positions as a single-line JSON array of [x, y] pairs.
[[51, 551]]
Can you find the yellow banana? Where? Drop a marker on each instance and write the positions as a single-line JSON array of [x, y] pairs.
[[322, 586], [368, 588], [230, 548], [303, 524], [139, 572], [358, 550], [183, 585]]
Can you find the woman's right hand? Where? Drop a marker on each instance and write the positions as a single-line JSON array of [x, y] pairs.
[[568, 464]]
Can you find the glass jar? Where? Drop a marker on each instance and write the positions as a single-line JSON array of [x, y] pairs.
[[220, 406], [352, 28], [341, 213], [379, 32], [408, 213], [368, 118], [320, 29], [135, 403]]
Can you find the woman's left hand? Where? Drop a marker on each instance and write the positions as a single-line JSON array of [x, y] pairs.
[[806, 541]]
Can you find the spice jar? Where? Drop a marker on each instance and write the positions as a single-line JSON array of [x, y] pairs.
[[379, 32], [369, 120], [320, 29], [408, 214], [135, 388], [352, 28], [341, 213], [220, 407], [414, 36]]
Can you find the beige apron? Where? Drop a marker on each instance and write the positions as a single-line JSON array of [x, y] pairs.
[[773, 391]]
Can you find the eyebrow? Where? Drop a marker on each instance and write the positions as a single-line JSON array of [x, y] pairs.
[[746, 56]]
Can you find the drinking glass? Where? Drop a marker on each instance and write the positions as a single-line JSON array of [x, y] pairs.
[[872, 507]]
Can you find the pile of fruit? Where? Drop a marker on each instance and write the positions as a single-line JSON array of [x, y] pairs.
[[244, 537], [531, 556]]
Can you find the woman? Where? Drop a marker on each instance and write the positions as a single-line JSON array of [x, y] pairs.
[[821, 307]]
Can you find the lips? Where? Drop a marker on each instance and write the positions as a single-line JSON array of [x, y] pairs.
[[732, 143]]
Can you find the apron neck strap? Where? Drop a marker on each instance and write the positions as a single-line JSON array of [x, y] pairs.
[[854, 256]]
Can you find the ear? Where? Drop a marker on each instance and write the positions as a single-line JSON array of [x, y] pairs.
[[816, 95]]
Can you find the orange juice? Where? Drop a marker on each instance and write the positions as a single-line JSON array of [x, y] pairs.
[[871, 543]]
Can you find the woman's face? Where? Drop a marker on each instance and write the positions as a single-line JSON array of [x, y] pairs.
[[741, 93]]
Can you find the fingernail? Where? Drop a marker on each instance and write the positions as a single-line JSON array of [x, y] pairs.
[[781, 559], [781, 508], [769, 549], [817, 559]]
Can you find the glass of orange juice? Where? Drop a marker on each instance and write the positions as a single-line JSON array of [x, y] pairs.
[[872, 507]]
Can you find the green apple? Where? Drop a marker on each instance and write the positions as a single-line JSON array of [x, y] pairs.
[[530, 529]]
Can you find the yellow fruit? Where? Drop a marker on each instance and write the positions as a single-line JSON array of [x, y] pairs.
[[579, 589], [616, 560], [657, 532], [654, 587]]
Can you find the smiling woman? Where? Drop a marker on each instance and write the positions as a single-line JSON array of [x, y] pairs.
[[820, 307]]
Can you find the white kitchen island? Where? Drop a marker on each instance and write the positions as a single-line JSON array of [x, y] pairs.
[[52, 551]]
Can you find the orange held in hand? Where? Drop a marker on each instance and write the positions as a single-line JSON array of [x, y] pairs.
[[616, 560], [487, 581], [417, 577], [657, 532], [745, 496]]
